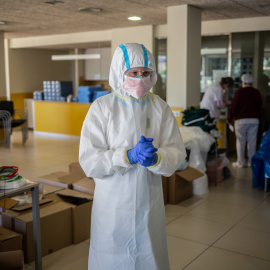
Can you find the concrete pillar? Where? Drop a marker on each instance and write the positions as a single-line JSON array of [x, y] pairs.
[[258, 60], [183, 56], [2, 67]]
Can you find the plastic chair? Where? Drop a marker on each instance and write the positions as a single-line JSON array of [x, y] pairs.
[[5, 123], [12, 118]]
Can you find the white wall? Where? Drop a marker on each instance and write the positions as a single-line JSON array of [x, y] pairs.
[[30, 67], [235, 25], [219, 27], [138, 34], [2, 67], [73, 38]]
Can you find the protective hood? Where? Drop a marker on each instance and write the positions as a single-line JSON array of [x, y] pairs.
[[126, 56]]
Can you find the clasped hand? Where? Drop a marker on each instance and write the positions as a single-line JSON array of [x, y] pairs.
[[143, 152]]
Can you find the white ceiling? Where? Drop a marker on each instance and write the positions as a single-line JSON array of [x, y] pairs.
[[25, 18]]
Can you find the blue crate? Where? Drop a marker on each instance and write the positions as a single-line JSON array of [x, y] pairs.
[[86, 93], [98, 94]]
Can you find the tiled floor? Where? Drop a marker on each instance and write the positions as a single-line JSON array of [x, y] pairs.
[[227, 229]]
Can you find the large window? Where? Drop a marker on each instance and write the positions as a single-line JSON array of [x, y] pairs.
[[214, 61]]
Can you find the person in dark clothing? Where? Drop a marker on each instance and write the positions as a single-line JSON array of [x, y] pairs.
[[246, 110]]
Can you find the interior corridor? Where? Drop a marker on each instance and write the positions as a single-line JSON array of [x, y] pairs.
[[228, 229]]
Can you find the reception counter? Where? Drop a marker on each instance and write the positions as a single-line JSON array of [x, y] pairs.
[[67, 118], [60, 117]]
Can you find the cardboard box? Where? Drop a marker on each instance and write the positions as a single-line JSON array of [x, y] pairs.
[[180, 184], [85, 185], [28, 206], [81, 212], [210, 170], [9, 240], [12, 260], [60, 179], [76, 167], [7, 203], [165, 189], [46, 189], [55, 226]]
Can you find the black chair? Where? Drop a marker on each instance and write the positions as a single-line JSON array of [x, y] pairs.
[[11, 118]]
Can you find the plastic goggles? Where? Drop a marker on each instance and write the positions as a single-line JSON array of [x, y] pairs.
[[134, 76], [135, 73]]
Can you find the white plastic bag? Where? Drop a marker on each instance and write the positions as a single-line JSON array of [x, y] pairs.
[[195, 158], [196, 134], [200, 185]]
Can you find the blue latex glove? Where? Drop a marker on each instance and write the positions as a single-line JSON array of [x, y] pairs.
[[144, 148], [148, 161]]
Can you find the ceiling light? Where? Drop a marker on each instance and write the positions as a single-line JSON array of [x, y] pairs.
[[54, 2], [90, 9], [75, 57], [134, 18], [2, 22], [264, 5]]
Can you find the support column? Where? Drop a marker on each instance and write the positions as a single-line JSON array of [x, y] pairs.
[[258, 60], [6, 45], [2, 67], [184, 56]]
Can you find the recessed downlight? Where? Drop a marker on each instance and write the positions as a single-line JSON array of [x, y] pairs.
[[54, 2], [2, 22], [90, 9], [134, 18], [264, 5]]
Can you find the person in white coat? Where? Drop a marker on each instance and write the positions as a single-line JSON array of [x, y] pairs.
[[216, 97], [128, 230]]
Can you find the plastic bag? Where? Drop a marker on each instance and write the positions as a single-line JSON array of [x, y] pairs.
[[196, 134], [183, 165], [195, 158], [260, 162], [200, 185]]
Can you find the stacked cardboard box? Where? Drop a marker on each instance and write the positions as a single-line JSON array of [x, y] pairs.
[[61, 179], [214, 170], [75, 167], [9, 240], [165, 189], [81, 202], [180, 185], [55, 225], [57, 90], [11, 260], [81, 207], [11, 255]]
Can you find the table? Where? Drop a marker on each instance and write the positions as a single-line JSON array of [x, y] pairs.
[[33, 187]]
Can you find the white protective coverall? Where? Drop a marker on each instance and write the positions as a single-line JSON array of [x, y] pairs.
[[128, 216], [213, 96]]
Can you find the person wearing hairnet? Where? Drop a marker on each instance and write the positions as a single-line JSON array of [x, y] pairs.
[[128, 140], [246, 110], [216, 97]]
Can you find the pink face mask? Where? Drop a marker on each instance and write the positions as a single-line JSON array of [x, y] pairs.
[[138, 87]]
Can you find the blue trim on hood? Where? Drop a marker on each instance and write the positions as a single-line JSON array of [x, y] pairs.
[[145, 56], [124, 49]]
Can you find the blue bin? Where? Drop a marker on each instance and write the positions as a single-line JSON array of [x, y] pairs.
[[86, 93]]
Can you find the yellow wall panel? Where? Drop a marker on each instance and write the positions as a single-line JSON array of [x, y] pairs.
[[60, 117], [18, 99], [178, 118]]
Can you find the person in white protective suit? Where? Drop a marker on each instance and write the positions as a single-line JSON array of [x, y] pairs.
[[128, 140], [216, 97]]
